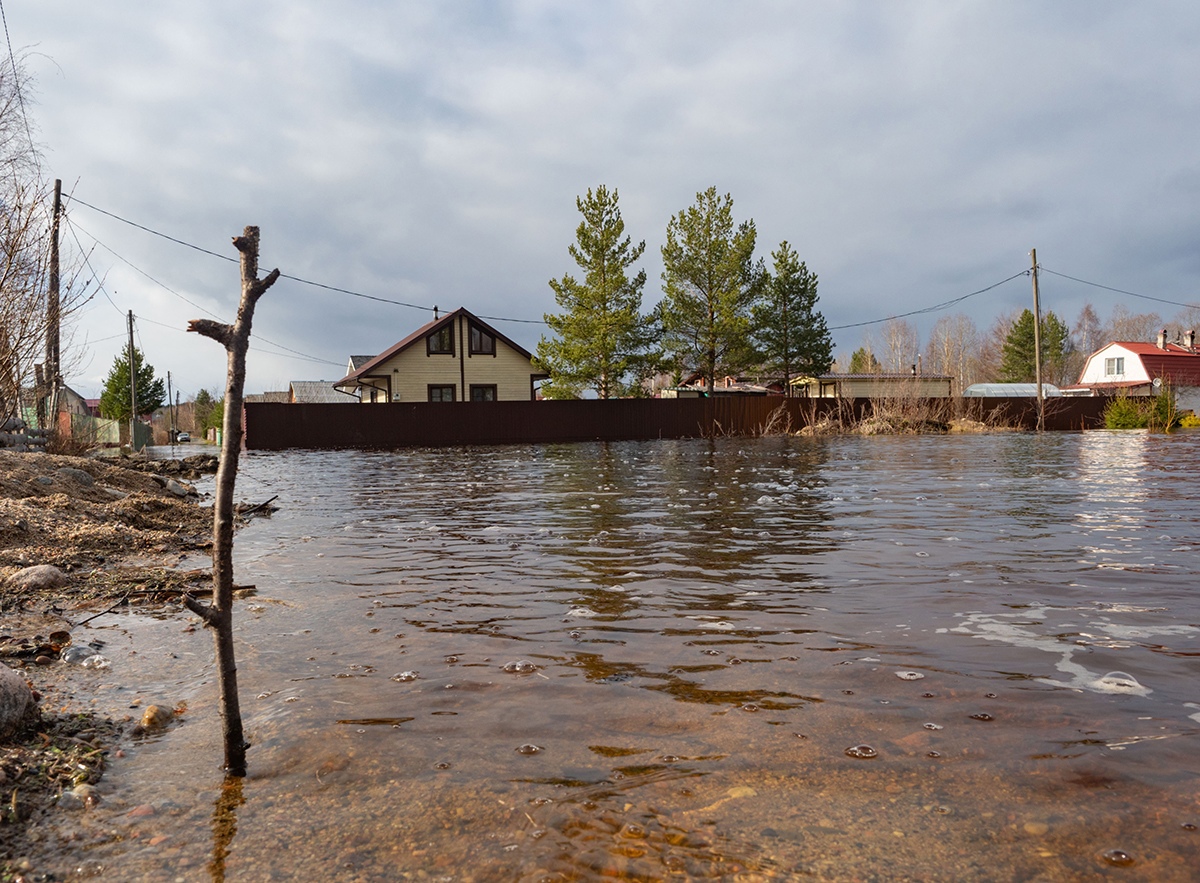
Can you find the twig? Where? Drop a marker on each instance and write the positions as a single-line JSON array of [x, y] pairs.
[[124, 598], [254, 509]]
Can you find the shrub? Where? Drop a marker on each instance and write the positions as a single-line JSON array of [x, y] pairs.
[[1124, 413], [1158, 414]]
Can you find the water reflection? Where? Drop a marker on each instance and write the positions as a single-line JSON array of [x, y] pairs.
[[224, 824]]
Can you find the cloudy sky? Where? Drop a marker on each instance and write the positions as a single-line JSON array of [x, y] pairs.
[[431, 152]]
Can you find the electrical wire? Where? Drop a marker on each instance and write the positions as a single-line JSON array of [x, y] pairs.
[[224, 257], [87, 263], [254, 349], [340, 290], [186, 300], [301, 280], [138, 269], [932, 309], [1160, 300]]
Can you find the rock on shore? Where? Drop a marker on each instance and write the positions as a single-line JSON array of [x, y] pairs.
[[16, 702]]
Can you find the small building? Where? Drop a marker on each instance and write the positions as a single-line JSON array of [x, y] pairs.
[[1142, 369], [457, 357], [874, 386]]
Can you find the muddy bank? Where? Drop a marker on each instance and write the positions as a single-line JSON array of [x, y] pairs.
[[116, 531]]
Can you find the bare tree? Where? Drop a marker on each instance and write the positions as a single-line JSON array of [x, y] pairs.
[[1087, 336], [1127, 326], [898, 347], [991, 347], [219, 615], [953, 349], [1187, 319], [25, 220]]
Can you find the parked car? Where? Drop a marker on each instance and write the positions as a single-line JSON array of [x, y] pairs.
[[183, 438]]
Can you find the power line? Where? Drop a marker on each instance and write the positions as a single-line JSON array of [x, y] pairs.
[[256, 338], [301, 280], [87, 263], [224, 257], [934, 308], [138, 269], [1160, 300], [167, 288]]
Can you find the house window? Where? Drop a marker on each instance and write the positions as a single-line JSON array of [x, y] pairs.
[[1114, 367], [482, 343], [441, 392], [441, 342], [483, 392]]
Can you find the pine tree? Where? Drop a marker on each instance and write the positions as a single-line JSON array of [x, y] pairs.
[[1018, 364], [710, 283], [791, 335], [603, 342], [863, 361], [151, 391]]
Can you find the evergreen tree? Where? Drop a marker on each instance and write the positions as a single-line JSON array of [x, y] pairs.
[[1017, 361], [710, 283], [603, 341], [863, 361], [791, 334], [151, 391], [209, 411]]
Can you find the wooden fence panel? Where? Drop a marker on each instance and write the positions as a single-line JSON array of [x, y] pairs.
[[276, 425]]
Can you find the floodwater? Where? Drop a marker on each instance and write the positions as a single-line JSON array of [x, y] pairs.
[[932, 658]]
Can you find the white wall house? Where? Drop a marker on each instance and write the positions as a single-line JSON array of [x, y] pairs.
[[1133, 367], [455, 358]]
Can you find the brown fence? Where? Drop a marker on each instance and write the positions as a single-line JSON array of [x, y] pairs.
[[275, 426]]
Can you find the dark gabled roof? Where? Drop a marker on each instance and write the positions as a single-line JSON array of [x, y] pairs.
[[318, 391], [357, 362], [420, 334]]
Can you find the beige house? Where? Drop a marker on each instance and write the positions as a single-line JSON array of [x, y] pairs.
[[873, 386], [455, 358]]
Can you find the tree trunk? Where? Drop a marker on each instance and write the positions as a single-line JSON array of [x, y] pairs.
[[219, 614]]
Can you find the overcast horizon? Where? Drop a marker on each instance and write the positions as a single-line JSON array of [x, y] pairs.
[[431, 154]]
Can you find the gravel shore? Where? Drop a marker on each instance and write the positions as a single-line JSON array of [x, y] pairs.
[[118, 530]]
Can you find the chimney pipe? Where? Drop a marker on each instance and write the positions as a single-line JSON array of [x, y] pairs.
[[1162, 339], [1189, 339]]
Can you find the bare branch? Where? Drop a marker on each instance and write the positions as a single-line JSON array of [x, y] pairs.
[[218, 331], [204, 611]]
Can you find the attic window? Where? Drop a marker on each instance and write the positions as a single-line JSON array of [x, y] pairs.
[[441, 342], [482, 343], [1114, 367]]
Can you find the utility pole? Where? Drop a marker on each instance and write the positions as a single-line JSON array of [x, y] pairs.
[[1037, 346], [132, 386], [48, 391], [171, 407]]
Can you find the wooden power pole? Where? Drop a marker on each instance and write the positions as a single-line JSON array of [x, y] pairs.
[[132, 387], [1037, 346], [53, 318]]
